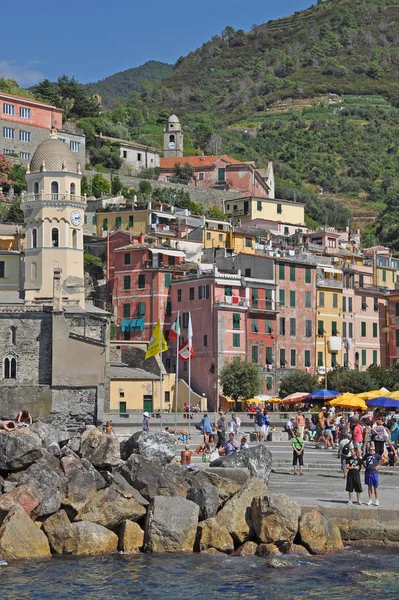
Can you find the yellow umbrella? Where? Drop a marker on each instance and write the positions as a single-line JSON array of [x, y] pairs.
[[394, 395], [370, 395], [354, 403], [338, 401], [254, 401]]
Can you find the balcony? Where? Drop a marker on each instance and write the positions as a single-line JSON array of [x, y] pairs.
[[162, 228], [369, 287], [232, 301], [53, 198], [327, 282], [264, 306]]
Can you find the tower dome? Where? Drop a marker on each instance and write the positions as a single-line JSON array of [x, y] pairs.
[[173, 119], [54, 156]]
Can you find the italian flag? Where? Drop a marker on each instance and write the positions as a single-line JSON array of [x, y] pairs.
[[175, 331]]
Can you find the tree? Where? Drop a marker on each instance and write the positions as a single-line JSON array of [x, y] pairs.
[[116, 185], [298, 381], [343, 380], [5, 171], [240, 380], [15, 214], [100, 185], [85, 186], [145, 188], [18, 179], [215, 212], [185, 171]]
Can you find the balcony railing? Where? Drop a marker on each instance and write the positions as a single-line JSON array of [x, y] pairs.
[[369, 287], [162, 228], [234, 301], [263, 306], [53, 198], [332, 283]]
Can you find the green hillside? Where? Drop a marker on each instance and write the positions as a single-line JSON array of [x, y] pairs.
[[340, 46], [117, 86]]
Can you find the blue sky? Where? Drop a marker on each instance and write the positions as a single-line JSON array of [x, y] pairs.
[[91, 39]]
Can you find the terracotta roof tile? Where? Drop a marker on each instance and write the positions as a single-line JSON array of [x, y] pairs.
[[199, 161]]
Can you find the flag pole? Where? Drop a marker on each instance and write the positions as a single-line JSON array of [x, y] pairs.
[[189, 377], [177, 370], [160, 363]]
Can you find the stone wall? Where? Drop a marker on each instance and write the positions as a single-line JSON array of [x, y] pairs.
[[207, 197], [74, 408], [35, 399]]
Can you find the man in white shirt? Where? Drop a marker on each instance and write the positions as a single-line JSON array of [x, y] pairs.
[[235, 424]]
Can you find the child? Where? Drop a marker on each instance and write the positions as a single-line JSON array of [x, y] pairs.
[[298, 446], [353, 484], [372, 462], [244, 445]]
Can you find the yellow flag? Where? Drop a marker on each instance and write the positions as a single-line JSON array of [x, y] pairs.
[[154, 347]]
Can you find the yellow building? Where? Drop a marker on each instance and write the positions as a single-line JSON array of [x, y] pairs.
[[133, 389], [216, 234], [270, 209], [329, 317], [163, 222], [9, 236], [9, 270]]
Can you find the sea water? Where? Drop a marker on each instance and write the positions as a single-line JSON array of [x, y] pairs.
[[356, 574]]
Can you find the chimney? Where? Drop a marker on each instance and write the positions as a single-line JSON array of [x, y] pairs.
[[57, 291], [141, 238]]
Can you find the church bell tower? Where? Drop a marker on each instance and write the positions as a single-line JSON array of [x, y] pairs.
[[54, 214], [173, 138]]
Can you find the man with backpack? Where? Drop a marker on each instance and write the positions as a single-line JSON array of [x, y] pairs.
[[344, 451], [259, 425]]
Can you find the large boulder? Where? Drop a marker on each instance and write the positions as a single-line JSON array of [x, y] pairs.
[[172, 482], [110, 508], [247, 549], [49, 434], [257, 459], [83, 539], [171, 525], [159, 446], [26, 496], [101, 450], [98, 478], [79, 488], [142, 474], [212, 535], [131, 537], [19, 449], [20, 538], [53, 521], [207, 498], [275, 519], [125, 489], [48, 483], [236, 513], [226, 488], [317, 533]]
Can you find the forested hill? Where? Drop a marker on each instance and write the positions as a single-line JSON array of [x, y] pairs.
[[119, 85], [342, 46]]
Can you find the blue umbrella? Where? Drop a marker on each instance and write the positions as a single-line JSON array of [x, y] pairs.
[[321, 396], [383, 402]]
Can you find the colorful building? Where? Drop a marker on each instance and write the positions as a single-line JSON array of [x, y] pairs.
[[254, 207], [26, 122], [218, 172], [296, 289], [141, 280]]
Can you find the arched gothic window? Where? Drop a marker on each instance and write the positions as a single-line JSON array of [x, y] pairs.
[[73, 189], [10, 367]]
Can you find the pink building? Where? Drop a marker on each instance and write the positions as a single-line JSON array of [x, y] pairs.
[[364, 318], [219, 172], [232, 316]]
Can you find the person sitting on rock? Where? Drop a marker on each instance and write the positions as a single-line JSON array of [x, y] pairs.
[[231, 446], [108, 429], [206, 447], [183, 435], [7, 425], [23, 418], [243, 444]]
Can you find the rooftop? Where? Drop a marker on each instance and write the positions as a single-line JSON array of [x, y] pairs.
[[199, 161]]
